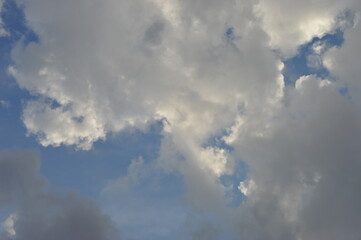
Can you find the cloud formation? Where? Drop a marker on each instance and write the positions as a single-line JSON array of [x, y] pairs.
[[106, 71], [304, 170], [208, 70], [290, 24], [40, 213]]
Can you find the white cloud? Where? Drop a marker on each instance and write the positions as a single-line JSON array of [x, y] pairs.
[[100, 67], [80, 125], [107, 68], [114, 69], [342, 62], [8, 224], [292, 23], [247, 187]]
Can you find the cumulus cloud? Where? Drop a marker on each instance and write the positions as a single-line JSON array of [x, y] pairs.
[[208, 70], [98, 68], [302, 181], [341, 62], [39, 212], [290, 24], [105, 68], [303, 168]]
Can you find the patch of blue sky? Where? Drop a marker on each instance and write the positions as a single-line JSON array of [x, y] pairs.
[[233, 195], [230, 33], [84, 171], [4, 214], [14, 24], [217, 141], [299, 65], [231, 181], [205, 225], [158, 218], [11, 96], [89, 171], [146, 198], [344, 91]]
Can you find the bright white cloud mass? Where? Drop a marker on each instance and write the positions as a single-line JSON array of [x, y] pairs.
[[213, 73]]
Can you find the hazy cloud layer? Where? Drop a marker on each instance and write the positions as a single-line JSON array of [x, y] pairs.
[[209, 70], [39, 213]]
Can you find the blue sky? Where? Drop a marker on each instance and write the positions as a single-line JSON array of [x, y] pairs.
[[184, 123]]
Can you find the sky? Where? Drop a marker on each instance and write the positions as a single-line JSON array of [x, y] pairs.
[[178, 119]]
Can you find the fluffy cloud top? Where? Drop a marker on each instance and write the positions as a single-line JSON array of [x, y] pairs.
[[293, 23]]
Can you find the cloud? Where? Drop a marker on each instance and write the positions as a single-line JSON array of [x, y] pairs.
[[301, 172], [302, 180], [8, 225], [97, 73], [98, 68], [40, 212], [208, 232], [290, 24], [341, 61], [3, 32]]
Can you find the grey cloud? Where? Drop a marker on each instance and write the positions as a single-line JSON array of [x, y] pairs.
[[41, 213], [2, 30], [306, 169], [19, 176], [206, 233], [153, 34]]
